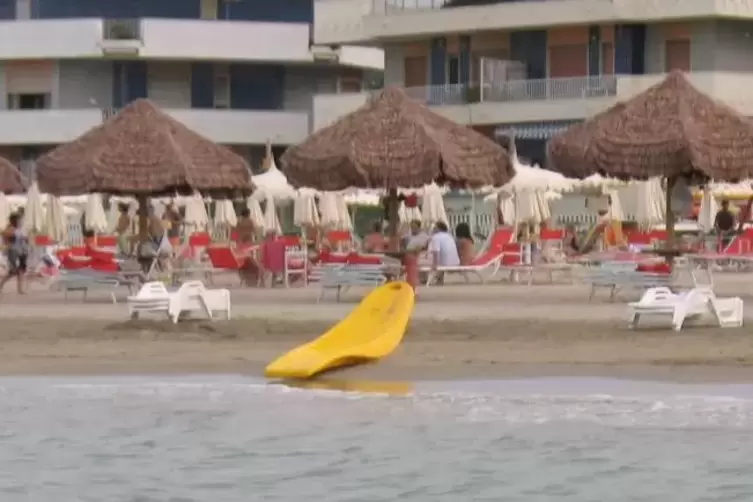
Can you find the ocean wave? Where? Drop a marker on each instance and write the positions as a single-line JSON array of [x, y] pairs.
[[618, 405]]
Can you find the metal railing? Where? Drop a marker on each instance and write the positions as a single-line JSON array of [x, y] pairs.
[[121, 29], [109, 112], [399, 6], [517, 90]]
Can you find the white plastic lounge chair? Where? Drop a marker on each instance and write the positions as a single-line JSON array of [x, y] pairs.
[[152, 297], [192, 296], [696, 303]]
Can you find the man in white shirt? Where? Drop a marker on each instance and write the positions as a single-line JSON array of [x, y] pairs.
[[443, 250]]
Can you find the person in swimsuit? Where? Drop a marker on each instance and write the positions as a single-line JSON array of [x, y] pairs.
[[17, 242]]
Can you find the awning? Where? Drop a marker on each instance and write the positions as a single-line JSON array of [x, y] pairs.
[[534, 130]]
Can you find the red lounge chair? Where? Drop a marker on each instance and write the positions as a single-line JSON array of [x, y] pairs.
[[552, 234], [224, 259], [358, 259], [499, 251], [43, 241], [72, 262], [339, 239], [328, 257]]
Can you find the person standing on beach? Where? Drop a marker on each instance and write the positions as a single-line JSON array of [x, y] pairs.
[[724, 224], [17, 243]]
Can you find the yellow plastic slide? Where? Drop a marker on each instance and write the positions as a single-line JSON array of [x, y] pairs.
[[372, 331]]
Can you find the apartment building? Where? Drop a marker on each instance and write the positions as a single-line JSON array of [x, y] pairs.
[[240, 72], [533, 67]]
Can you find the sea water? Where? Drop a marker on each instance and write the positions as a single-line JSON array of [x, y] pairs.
[[232, 439]]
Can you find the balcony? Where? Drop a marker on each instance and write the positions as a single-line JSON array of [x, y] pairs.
[[29, 127], [563, 99], [155, 38], [341, 21]]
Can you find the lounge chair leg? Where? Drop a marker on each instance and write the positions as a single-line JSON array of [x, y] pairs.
[[634, 321], [592, 293]]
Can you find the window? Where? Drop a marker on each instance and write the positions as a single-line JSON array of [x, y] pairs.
[[221, 87], [453, 69], [16, 101]]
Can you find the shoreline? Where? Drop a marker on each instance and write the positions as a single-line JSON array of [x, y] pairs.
[[432, 350]]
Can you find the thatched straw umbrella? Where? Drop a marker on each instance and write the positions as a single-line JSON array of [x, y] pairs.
[[391, 142], [11, 179], [569, 152], [143, 152], [671, 130]]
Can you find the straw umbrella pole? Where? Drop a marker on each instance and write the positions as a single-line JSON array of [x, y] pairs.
[[673, 131], [394, 142], [145, 153]]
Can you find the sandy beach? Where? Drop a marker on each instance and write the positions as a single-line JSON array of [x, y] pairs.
[[458, 331]]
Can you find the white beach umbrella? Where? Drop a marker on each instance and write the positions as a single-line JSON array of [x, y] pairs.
[[527, 208], [272, 182], [224, 213], [56, 220], [650, 203], [95, 218], [304, 208], [737, 190], [343, 215], [545, 212], [4, 209], [255, 214], [615, 207], [707, 211], [362, 197], [597, 183], [410, 213], [328, 210], [196, 218], [271, 222], [432, 206], [34, 210]]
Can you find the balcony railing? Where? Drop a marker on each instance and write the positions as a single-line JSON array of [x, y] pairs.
[[121, 29], [398, 6], [517, 90]]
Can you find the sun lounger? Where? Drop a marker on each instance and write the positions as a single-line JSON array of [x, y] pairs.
[[622, 276], [484, 266], [192, 296], [690, 305], [86, 280], [344, 277], [153, 297]]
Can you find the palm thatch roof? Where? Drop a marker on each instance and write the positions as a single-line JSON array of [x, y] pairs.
[[670, 130], [142, 151], [569, 152], [393, 141], [11, 180]]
